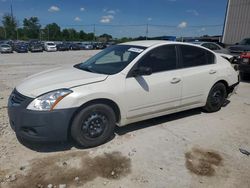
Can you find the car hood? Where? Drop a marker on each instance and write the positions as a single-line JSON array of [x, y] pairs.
[[58, 78]]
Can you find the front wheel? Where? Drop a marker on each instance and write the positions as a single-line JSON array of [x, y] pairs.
[[216, 98], [93, 125]]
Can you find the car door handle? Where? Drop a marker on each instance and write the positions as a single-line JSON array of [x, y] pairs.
[[175, 80], [212, 71]]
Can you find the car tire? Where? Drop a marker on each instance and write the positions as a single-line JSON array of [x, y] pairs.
[[93, 125], [216, 98]]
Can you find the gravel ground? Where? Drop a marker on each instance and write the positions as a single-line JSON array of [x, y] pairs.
[[187, 149]]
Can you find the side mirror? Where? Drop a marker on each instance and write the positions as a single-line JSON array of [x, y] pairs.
[[142, 71]]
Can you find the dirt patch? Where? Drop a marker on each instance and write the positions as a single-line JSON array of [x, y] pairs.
[[2, 176], [202, 162], [73, 169]]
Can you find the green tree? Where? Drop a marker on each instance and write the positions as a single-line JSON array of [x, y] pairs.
[[90, 36], [2, 33], [10, 25], [73, 34], [82, 35], [53, 32], [106, 37], [65, 34], [31, 27]]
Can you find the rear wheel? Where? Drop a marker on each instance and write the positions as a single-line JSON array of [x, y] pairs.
[[93, 125], [216, 98]]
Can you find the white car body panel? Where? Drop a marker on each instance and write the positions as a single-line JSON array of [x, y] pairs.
[[138, 98]]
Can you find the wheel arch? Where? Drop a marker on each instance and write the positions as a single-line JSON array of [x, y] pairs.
[[225, 83], [106, 101]]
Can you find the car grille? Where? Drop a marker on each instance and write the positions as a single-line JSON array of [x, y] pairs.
[[17, 98]]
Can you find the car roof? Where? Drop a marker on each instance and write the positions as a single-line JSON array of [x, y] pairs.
[[149, 43], [197, 42]]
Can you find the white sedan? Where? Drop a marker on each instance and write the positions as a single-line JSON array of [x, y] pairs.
[[50, 46], [122, 84]]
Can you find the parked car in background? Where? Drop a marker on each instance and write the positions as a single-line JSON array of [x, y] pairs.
[[74, 46], [242, 46], [6, 48], [35, 47], [100, 46], [62, 47], [87, 46], [50, 46], [21, 48], [244, 63], [122, 84], [213, 46]]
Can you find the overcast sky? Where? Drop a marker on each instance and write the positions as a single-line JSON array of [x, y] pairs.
[[165, 17]]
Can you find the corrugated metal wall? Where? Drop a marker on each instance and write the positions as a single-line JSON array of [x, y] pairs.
[[237, 23]]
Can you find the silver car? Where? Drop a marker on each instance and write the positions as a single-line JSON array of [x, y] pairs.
[[5, 48], [213, 46]]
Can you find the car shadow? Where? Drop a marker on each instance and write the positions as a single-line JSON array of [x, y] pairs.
[[47, 147], [156, 121]]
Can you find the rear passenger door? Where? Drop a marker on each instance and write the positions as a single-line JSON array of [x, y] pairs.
[[198, 70]]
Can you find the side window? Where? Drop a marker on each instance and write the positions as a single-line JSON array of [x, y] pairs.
[[160, 59], [214, 47], [195, 56]]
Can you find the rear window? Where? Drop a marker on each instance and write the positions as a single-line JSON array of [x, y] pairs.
[[194, 56]]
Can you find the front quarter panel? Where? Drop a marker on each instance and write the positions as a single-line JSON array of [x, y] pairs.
[[110, 89]]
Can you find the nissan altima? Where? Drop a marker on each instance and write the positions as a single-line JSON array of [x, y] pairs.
[[122, 84]]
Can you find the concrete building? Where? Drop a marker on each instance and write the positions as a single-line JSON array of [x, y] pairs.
[[237, 21]]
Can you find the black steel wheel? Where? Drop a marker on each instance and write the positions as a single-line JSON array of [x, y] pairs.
[[216, 98], [93, 125]]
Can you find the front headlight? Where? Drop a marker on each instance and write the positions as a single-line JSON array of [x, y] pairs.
[[48, 101]]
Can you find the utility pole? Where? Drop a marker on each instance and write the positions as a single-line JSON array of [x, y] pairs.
[[11, 10], [48, 33], [94, 32], [16, 33], [5, 33], [147, 31], [40, 34]]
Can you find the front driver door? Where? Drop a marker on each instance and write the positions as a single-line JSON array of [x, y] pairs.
[[158, 92]]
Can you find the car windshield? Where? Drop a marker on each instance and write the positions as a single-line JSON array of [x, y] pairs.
[[5, 45], [50, 44], [245, 42], [111, 60]]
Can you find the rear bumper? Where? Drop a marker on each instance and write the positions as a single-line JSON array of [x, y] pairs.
[[233, 88], [39, 125]]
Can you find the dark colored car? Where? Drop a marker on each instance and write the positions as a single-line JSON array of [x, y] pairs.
[[100, 46], [62, 47], [87, 46], [74, 46], [35, 47], [242, 46], [244, 63], [21, 48]]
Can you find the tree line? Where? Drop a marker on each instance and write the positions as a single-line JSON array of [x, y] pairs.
[[32, 29]]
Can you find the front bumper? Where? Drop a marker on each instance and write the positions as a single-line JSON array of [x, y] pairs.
[[36, 50], [38, 125], [6, 51]]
